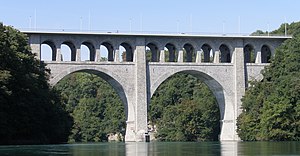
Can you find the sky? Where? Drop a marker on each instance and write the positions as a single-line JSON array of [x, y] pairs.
[[155, 16]]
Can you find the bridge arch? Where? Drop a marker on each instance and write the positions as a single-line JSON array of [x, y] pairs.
[[172, 50], [154, 52], [190, 54], [266, 53], [72, 48], [109, 77], [52, 47], [110, 51], [91, 48], [208, 52], [213, 84], [226, 53], [129, 55], [249, 53]]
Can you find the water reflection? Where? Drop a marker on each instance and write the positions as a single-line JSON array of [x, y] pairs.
[[172, 148], [229, 148], [223, 148], [137, 149]]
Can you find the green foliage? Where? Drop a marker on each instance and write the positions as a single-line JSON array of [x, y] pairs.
[[94, 105], [30, 111], [258, 33], [184, 109], [271, 107], [292, 29]]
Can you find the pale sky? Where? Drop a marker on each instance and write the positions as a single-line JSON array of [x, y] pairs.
[[155, 16], [199, 16]]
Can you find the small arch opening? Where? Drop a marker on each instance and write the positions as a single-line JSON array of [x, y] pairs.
[[225, 54], [88, 51], [171, 53], [106, 52], [249, 55], [189, 53], [48, 51], [84, 52], [126, 52], [152, 53], [208, 54], [266, 54], [68, 51]]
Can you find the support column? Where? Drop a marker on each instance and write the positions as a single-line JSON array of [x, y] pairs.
[[217, 57], [58, 55], [239, 81], [180, 56], [78, 53], [117, 57], [258, 57], [198, 56], [141, 126], [98, 57], [162, 56]]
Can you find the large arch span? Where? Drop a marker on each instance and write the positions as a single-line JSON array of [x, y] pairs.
[[213, 85], [120, 83], [219, 86], [113, 82]]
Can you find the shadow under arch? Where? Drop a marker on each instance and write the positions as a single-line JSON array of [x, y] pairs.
[[212, 84], [108, 78]]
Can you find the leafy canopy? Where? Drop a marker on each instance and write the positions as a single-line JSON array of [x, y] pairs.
[[271, 107], [94, 105], [30, 111], [184, 109]]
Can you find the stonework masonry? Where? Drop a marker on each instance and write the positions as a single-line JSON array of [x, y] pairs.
[[219, 61]]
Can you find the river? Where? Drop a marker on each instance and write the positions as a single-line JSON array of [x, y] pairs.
[[157, 149]]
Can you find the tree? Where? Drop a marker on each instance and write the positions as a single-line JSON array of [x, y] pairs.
[[292, 29], [30, 111], [271, 106], [184, 109], [94, 105]]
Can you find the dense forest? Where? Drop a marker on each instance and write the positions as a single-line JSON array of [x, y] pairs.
[[31, 112], [271, 107]]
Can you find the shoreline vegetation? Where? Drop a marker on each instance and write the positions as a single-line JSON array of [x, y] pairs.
[[84, 108]]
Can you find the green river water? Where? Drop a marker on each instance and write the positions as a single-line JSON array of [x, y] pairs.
[[157, 149]]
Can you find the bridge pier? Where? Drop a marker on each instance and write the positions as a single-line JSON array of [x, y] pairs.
[[141, 105], [239, 82]]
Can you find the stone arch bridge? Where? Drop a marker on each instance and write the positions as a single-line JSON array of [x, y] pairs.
[[224, 63]]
